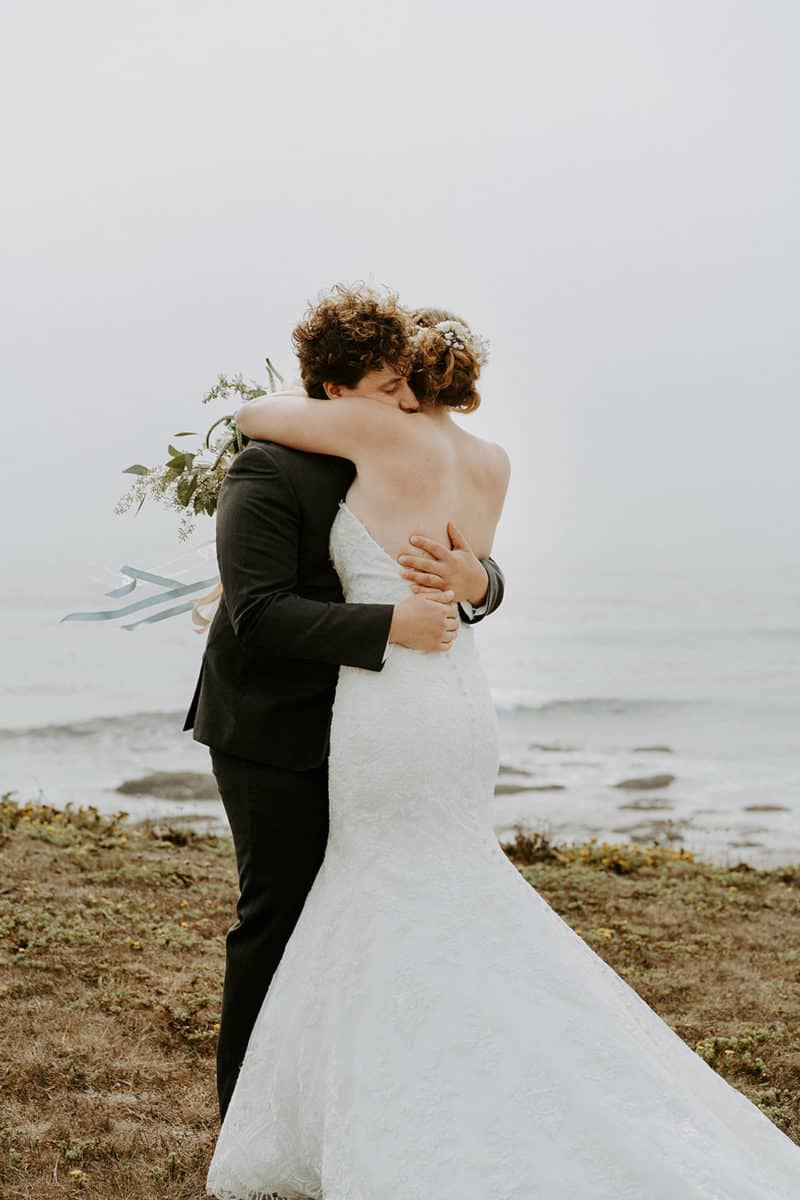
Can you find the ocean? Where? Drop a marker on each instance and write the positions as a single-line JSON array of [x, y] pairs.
[[683, 686]]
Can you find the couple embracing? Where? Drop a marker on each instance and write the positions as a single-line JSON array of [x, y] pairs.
[[404, 1017]]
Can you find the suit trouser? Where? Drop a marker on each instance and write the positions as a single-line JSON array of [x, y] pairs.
[[279, 822]]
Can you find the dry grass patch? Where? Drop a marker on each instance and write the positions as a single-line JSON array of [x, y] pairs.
[[111, 962], [111, 954]]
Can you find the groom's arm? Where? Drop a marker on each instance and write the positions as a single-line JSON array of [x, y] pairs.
[[493, 598], [258, 530], [478, 584]]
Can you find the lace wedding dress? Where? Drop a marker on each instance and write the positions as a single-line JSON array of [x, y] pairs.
[[435, 1031]]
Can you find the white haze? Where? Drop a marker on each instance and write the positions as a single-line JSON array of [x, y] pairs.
[[608, 191]]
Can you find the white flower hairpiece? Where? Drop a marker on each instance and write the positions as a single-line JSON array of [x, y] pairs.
[[458, 336]]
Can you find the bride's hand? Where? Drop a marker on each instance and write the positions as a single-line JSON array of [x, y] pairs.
[[453, 568]]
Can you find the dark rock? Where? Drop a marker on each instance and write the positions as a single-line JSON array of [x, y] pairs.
[[766, 808], [653, 750], [172, 785], [654, 831], [645, 805], [646, 781], [511, 789]]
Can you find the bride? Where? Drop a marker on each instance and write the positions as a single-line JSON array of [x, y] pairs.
[[434, 1030]]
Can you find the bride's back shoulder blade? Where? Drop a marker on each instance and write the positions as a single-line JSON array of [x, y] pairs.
[[494, 462]]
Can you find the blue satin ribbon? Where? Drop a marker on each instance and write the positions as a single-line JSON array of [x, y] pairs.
[[173, 591], [145, 576], [162, 616]]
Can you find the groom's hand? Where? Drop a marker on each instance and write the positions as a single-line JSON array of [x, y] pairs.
[[453, 568], [428, 623]]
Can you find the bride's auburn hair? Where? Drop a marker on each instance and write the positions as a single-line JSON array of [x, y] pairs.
[[443, 374]]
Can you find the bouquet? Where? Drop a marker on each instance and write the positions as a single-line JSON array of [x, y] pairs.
[[190, 480]]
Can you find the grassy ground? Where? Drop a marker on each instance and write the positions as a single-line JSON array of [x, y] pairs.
[[111, 947]]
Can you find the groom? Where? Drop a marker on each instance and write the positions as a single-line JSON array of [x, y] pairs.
[[264, 697]]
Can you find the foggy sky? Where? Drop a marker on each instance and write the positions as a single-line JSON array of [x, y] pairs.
[[607, 190]]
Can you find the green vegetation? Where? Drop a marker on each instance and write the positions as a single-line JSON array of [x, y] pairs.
[[111, 951], [189, 480]]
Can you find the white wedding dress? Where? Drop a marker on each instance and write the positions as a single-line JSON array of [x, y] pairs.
[[434, 1030]]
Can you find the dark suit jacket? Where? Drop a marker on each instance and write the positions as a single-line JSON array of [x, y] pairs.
[[281, 631]]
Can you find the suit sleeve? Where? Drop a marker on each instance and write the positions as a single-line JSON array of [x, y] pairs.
[[258, 531], [494, 594]]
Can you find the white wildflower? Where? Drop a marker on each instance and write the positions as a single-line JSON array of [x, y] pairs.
[[459, 337]]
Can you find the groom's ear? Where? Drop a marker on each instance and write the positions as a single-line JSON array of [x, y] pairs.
[[332, 390]]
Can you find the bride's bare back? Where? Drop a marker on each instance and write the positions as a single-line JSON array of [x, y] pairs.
[[429, 473], [416, 468]]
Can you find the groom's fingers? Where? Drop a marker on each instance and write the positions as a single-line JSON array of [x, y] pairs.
[[429, 546], [427, 572], [426, 579], [419, 562], [434, 593]]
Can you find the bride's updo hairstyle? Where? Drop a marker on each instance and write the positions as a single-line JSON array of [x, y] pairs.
[[448, 360]]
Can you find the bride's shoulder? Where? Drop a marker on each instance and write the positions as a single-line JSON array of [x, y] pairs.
[[499, 465], [492, 458], [499, 458]]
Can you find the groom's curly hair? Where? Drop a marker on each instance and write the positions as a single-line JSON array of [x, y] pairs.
[[350, 332]]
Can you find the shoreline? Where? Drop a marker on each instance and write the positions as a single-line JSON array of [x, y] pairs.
[[112, 954], [630, 810]]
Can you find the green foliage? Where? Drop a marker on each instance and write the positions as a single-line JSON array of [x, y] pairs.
[[192, 1017], [532, 846], [740, 1055], [771, 1102], [189, 480], [68, 826], [75, 1149]]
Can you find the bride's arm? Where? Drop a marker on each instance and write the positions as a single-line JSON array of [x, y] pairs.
[[345, 426]]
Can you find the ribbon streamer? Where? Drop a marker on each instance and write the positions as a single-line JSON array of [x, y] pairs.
[[200, 621], [173, 590]]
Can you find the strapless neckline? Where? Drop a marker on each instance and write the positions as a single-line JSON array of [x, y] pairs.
[[367, 535]]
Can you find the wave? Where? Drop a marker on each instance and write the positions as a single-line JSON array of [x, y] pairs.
[[505, 702], [508, 704], [524, 702], [93, 727]]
